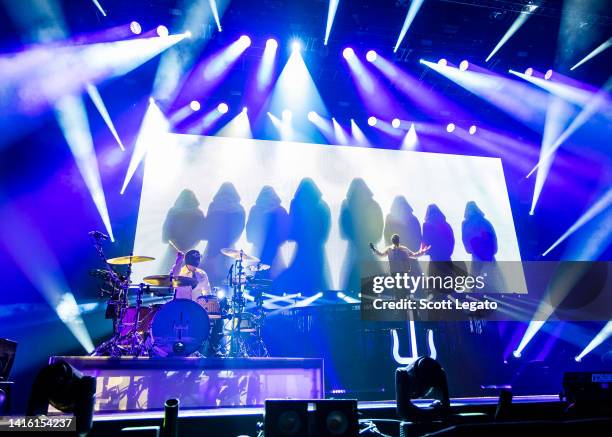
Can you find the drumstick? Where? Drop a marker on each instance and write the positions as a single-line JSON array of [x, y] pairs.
[[174, 245]]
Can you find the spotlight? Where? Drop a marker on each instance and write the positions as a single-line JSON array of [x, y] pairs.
[[223, 108], [162, 31], [548, 74], [245, 109], [312, 116], [371, 56], [348, 52], [443, 62], [450, 127], [286, 114], [220, 294], [372, 121], [529, 71], [245, 40], [195, 105], [296, 46], [188, 34], [464, 65], [472, 130], [395, 123], [271, 44], [516, 354], [577, 359], [135, 27]]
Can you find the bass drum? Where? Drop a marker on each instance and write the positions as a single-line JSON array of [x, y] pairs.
[[180, 327]]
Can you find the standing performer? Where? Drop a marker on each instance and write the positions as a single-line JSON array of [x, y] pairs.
[[187, 265], [399, 256]]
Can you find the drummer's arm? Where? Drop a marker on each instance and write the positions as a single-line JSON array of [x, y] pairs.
[[205, 284], [180, 256]]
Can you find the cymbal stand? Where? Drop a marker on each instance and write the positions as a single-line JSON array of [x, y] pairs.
[[237, 348]]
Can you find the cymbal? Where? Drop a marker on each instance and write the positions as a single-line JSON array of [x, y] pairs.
[[169, 281], [238, 254], [133, 259], [258, 267]]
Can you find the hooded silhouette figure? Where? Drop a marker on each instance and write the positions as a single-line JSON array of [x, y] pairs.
[[184, 226], [361, 222], [223, 226], [309, 225], [267, 229], [438, 234], [478, 235], [403, 222]]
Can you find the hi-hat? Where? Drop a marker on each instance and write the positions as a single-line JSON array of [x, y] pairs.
[[131, 259], [258, 267], [238, 254], [170, 281]]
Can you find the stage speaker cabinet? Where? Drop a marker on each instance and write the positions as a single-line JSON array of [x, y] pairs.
[[311, 418], [588, 388], [335, 417], [286, 418]]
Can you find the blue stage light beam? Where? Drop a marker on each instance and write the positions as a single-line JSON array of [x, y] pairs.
[[96, 98], [557, 116], [266, 67], [602, 205], [516, 25], [602, 336], [601, 101], [325, 126], [340, 133], [225, 59], [153, 129], [215, 12], [331, 14], [532, 330], [42, 268], [410, 141], [296, 91], [359, 138], [99, 6], [72, 118], [599, 49], [238, 127], [415, 5], [283, 125]]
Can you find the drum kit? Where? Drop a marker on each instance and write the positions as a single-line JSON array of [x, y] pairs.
[[208, 326]]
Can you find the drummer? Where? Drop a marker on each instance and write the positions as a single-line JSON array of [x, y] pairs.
[[187, 265]]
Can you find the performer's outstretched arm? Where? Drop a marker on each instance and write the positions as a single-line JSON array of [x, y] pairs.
[[378, 252]]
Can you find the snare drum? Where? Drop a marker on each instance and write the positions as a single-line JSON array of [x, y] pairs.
[[211, 305]]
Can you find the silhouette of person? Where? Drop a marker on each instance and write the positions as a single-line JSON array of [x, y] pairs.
[[402, 221], [361, 222], [183, 227], [438, 234], [309, 226], [223, 226], [267, 229], [480, 240], [478, 235]]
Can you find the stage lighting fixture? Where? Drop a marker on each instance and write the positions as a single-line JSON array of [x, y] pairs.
[[312, 116], [472, 130], [450, 128], [296, 46], [162, 31], [516, 354], [195, 105], [423, 378], [188, 34], [286, 114], [66, 389], [443, 62], [371, 56], [529, 71], [220, 294], [223, 108], [372, 121], [245, 40], [135, 27], [464, 65], [348, 52], [548, 74], [245, 109], [395, 123], [271, 44]]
